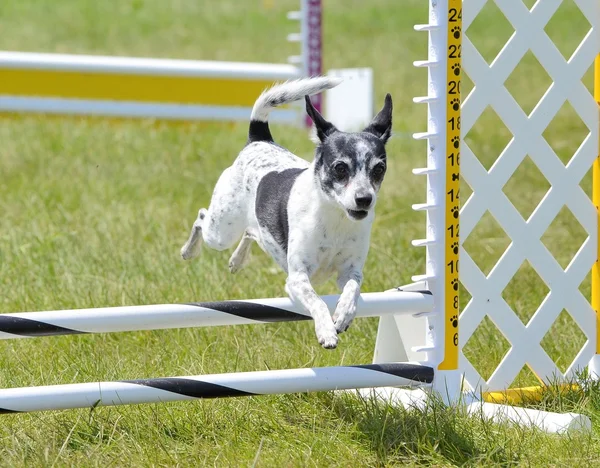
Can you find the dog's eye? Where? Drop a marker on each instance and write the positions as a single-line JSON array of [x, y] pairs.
[[340, 170], [378, 170]]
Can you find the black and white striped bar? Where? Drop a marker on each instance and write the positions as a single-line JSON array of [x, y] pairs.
[[129, 392], [199, 314]]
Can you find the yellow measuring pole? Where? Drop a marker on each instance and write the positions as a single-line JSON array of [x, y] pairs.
[[453, 64], [596, 200]]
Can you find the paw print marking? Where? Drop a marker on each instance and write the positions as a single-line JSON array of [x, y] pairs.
[[456, 69], [456, 32], [456, 142], [454, 211], [455, 103], [454, 248], [454, 321], [454, 284]]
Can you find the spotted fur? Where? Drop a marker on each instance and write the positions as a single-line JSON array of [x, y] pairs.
[[314, 219]]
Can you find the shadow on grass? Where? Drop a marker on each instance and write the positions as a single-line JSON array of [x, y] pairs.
[[438, 434], [433, 434]]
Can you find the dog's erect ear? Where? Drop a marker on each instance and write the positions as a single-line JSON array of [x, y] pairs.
[[381, 125], [323, 127]]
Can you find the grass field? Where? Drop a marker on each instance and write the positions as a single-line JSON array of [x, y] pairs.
[[94, 214]]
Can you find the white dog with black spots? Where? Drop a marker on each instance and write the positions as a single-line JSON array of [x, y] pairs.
[[314, 219]]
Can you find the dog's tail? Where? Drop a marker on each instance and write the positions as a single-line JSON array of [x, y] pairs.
[[283, 93]]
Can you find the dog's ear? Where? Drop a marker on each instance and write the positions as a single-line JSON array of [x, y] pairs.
[[323, 127], [381, 125]]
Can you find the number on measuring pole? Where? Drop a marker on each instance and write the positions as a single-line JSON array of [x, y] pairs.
[[453, 195], [454, 123], [454, 51], [453, 264], [454, 15], [454, 87], [453, 230]]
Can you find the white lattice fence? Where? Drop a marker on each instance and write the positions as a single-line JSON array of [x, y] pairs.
[[488, 195]]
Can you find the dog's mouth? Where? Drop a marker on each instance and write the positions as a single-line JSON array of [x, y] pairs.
[[358, 214]]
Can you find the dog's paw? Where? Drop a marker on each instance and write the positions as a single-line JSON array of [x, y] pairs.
[[343, 323], [343, 317], [186, 254], [190, 251], [327, 338], [237, 261], [329, 342], [234, 266]]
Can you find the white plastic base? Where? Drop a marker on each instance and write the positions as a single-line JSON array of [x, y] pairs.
[[448, 384], [397, 396], [554, 423]]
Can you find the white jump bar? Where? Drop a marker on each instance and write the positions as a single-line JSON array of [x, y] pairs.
[[202, 314], [146, 66], [89, 395]]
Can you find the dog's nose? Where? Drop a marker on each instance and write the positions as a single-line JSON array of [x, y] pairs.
[[363, 201]]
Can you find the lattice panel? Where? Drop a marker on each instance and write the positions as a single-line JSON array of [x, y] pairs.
[[529, 42]]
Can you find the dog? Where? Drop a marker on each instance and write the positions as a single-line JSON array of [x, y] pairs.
[[314, 219]]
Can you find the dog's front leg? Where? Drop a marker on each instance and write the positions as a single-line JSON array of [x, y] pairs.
[[301, 292], [349, 282]]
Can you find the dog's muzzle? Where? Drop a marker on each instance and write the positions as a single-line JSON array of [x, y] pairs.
[[358, 214]]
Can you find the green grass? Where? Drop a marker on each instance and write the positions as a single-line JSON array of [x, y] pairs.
[[94, 214]]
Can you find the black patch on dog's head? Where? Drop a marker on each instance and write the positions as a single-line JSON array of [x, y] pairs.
[[324, 128], [381, 125], [342, 158]]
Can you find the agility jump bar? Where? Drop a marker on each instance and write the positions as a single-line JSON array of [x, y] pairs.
[[197, 314], [129, 392], [137, 87]]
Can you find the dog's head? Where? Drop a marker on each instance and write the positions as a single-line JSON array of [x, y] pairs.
[[350, 166]]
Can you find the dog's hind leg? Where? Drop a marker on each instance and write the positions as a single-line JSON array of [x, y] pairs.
[[223, 223], [240, 255], [193, 245], [226, 217]]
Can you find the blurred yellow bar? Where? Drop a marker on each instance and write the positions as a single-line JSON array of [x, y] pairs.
[[127, 87]]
